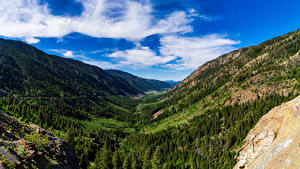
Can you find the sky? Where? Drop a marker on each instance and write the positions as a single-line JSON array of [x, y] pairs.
[[157, 39]]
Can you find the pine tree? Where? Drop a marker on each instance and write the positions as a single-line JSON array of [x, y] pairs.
[[105, 157], [134, 162], [156, 160], [147, 158], [116, 160], [126, 163]]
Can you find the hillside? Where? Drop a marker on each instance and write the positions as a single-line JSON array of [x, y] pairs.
[[202, 122], [274, 141], [242, 76], [68, 97], [23, 146], [27, 71], [142, 84]]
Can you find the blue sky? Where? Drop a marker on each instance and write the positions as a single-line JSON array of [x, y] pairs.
[[159, 39]]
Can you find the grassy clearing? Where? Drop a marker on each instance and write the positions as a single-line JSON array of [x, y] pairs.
[[152, 97], [174, 120], [106, 124]]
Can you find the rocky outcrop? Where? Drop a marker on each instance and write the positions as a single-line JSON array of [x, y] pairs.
[[29, 146], [275, 140]]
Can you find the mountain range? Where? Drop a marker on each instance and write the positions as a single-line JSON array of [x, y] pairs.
[[142, 84], [199, 123]]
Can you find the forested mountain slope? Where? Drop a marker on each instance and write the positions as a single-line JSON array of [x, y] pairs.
[[241, 76], [27, 71], [142, 84], [78, 102], [203, 121]]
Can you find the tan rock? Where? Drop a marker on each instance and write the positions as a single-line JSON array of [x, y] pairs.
[[274, 141], [155, 115]]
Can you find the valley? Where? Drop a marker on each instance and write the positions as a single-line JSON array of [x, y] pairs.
[[200, 123]]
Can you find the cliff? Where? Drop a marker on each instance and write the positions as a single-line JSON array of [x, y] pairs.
[[275, 140], [29, 146]]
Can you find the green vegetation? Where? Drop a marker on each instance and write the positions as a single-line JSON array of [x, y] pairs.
[[7, 163], [40, 141]]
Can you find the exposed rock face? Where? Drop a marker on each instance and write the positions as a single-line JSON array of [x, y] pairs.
[[18, 152], [155, 115], [275, 140]]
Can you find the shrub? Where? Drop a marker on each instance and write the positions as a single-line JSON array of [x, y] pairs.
[[39, 140]]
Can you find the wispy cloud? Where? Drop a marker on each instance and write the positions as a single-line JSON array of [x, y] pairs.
[[32, 40], [176, 52], [102, 64], [195, 51], [139, 57], [133, 21], [70, 54]]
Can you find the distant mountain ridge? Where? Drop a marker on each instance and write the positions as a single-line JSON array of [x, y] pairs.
[[142, 84], [173, 82]]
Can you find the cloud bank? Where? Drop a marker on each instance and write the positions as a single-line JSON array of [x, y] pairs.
[[128, 19]]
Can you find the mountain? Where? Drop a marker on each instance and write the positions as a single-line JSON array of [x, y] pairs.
[[27, 71], [24, 146], [243, 75], [78, 102], [202, 122], [142, 84], [274, 141], [173, 82]]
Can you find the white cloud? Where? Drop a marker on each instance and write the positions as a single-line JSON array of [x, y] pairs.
[[133, 20], [176, 52], [31, 40], [101, 64], [68, 54], [195, 51], [139, 57]]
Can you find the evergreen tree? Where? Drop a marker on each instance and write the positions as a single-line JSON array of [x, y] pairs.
[[147, 158], [156, 160], [126, 163], [116, 160]]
